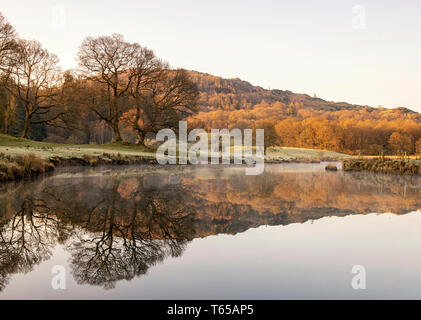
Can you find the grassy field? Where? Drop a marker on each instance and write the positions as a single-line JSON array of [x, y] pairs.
[[15, 146], [302, 154], [12, 146], [411, 157]]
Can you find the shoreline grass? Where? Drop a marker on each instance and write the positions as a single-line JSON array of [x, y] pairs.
[[16, 146], [11, 146], [399, 166], [293, 154], [23, 158], [23, 167], [16, 154]]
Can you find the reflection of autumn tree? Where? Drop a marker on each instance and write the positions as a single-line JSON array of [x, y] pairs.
[[124, 230], [26, 239], [232, 204]]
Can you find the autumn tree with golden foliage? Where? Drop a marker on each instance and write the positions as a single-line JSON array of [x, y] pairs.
[[401, 142], [418, 146]]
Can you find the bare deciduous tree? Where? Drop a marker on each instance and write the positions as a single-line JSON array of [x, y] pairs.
[[167, 98], [35, 79], [7, 39], [7, 43], [110, 61]]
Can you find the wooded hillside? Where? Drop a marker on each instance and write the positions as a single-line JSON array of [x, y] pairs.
[[298, 120]]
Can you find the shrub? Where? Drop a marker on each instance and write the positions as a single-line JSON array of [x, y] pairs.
[[22, 167], [331, 167]]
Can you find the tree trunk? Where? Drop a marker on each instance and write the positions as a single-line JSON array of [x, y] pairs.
[[116, 130], [26, 127], [6, 125], [141, 137]]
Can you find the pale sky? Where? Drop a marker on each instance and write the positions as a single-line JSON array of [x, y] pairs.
[[321, 47]]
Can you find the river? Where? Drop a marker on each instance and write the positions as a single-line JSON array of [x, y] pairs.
[[211, 232]]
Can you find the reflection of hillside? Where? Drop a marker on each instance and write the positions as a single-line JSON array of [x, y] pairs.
[[283, 198], [118, 227]]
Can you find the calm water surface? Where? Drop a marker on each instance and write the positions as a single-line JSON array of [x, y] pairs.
[[148, 232]]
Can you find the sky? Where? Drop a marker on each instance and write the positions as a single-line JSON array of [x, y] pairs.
[[365, 52]]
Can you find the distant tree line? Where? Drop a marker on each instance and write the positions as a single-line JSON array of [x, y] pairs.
[[298, 120], [351, 132]]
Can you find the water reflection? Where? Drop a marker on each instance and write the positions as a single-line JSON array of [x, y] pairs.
[[117, 226], [26, 238]]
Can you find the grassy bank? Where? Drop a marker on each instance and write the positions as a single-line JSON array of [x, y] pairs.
[[22, 158], [23, 167], [288, 154], [11, 146], [383, 165]]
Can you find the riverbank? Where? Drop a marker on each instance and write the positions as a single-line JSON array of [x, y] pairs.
[[410, 166], [30, 166], [18, 156], [11, 146], [25, 159], [23, 167], [290, 154]]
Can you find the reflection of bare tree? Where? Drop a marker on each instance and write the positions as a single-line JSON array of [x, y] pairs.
[[103, 260], [124, 232], [113, 229], [26, 239]]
